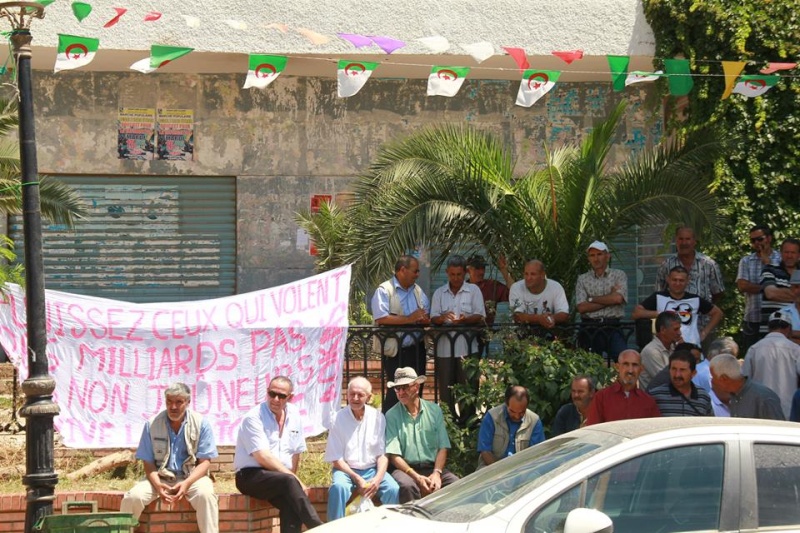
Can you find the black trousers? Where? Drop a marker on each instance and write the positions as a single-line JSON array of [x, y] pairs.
[[413, 356], [283, 491]]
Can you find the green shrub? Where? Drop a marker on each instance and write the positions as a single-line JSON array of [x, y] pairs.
[[545, 368]]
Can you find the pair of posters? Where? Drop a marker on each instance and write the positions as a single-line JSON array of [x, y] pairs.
[[148, 133]]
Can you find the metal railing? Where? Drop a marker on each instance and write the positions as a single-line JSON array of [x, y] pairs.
[[366, 343]]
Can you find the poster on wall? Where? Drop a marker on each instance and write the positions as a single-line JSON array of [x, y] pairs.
[[175, 135], [136, 133], [316, 202]]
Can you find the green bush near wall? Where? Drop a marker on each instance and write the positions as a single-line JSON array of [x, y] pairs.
[[760, 180], [545, 368]]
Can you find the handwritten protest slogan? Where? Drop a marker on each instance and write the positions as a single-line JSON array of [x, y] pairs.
[[112, 360]]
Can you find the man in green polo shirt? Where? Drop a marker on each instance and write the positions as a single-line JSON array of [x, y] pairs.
[[416, 439]]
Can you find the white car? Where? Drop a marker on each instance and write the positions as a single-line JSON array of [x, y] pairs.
[[656, 475]]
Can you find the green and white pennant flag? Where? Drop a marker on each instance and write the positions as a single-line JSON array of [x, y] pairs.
[[638, 76], [160, 55], [75, 52], [353, 75], [263, 70], [446, 81], [752, 86], [534, 85]]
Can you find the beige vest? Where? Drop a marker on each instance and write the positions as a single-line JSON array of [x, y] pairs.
[[501, 434], [389, 346], [159, 439]]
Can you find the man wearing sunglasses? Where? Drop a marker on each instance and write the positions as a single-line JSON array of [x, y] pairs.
[[748, 281], [267, 456], [416, 439]]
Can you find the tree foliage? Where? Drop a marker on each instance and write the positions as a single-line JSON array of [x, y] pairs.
[[759, 179], [453, 186], [546, 370]]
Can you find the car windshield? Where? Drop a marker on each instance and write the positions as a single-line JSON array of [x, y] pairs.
[[492, 488]]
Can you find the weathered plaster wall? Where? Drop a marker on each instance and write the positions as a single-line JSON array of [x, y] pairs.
[[296, 138], [598, 27]]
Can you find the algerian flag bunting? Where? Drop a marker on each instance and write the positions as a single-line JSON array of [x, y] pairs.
[[263, 70], [534, 85], [353, 75], [638, 76], [446, 81], [752, 86], [74, 52], [160, 55]]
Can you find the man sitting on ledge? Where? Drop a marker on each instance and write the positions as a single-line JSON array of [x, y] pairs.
[[176, 447], [267, 456]]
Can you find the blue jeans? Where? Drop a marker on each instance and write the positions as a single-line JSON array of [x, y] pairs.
[[342, 488]]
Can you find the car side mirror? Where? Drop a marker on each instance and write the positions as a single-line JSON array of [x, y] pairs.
[[588, 521]]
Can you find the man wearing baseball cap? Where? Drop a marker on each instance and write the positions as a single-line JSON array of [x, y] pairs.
[[600, 296], [775, 360], [419, 463]]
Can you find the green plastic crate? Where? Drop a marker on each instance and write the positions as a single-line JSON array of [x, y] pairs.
[[92, 522]]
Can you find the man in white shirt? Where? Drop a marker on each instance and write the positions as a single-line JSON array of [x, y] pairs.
[[537, 300], [267, 456], [356, 446], [456, 303], [774, 361]]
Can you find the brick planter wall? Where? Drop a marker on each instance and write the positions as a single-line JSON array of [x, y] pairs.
[[237, 513]]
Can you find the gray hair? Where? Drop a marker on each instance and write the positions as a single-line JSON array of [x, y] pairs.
[[404, 261], [457, 261], [178, 389], [726, 365], [360, 381], [589, 381], [722, 345], [283, 379]]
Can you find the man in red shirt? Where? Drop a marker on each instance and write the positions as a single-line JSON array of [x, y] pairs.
[[623, 400], [493, 291]]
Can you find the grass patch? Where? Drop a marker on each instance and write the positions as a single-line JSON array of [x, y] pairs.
[[314, 471]]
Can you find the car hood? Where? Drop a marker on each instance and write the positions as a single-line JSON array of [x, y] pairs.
[[384, 520]]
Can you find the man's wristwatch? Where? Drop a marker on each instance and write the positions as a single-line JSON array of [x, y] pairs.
[[438, 471]]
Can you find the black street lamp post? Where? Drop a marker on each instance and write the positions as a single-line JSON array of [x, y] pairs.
[[39, 409]]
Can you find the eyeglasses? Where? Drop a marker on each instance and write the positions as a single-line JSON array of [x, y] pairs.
[[402, 387], [279, 395], [757, 239]]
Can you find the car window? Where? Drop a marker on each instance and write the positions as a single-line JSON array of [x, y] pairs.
[[679, 489], [778, 484]]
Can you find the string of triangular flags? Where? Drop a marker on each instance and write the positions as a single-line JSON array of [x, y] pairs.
[[263, 69]]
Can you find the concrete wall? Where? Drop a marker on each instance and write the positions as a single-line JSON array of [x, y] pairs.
[[296, 138]]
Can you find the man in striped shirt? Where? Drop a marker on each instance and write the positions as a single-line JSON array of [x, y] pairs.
[[680, 397], [776, 282]]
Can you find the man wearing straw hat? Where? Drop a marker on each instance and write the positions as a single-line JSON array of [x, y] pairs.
[[419, 463]]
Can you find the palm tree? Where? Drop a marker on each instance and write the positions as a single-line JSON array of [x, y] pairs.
[[454, 186], [60, 204]]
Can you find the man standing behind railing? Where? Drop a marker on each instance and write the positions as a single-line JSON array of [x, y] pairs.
[[401, 302], [456, 304], [537, 300], [600, 296]]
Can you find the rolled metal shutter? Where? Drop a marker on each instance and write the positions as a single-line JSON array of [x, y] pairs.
[[146, 239]]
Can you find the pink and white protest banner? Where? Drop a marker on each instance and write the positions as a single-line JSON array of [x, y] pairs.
[[112, 360]]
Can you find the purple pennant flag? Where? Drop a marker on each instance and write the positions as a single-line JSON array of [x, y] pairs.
[[387, 44], [359, 41]]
